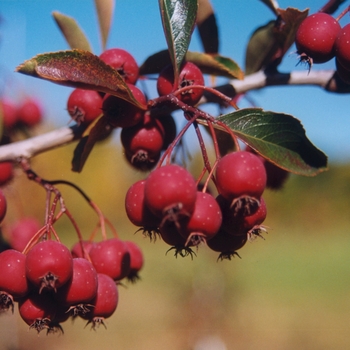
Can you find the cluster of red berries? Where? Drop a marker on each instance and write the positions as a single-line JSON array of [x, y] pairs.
[[51, 283], [26, 114], [168, 203], [320, 38]]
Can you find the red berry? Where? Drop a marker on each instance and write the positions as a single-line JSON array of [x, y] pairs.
[[226, 244], [315, 37], [205, 220], [342, 47], [13, 274], [49, 265], [136, 261], [38, 311], [121, 113], [136, 209], [29, 113], [111, 257], [8, 113], [105, 302], [123, 62], [190, 74], [240, 174], [84, 106], [82, 287], [22, 232], [77, 250], [143, 142], [6, 172], [170, 192], [3, 206]]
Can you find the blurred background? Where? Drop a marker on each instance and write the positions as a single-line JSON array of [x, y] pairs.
[[289, 290]]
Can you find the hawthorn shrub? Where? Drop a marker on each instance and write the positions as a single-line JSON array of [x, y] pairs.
[[253, 150]]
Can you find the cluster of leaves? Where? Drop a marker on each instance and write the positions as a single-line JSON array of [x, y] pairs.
[[278, 137]]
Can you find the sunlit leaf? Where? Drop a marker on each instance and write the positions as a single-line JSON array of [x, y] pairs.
[[80, 69], [269, 43], [178, 19], [105, 10], [278, 137], [73, 34], [207, 27], [209, 64]]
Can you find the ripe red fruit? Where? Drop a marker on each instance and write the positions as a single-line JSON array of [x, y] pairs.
[[342, 47], [77, 251], [143, 142], [123, 62], [121, 113], [6, 172], [136, 261], [22, 232], [49, 265], [205, 220], [38, 311], [29, 113], [3, 206], [105, 302], [84, 106], [136, 209], [111, 257], [81, 288], [170, 192], [13, 281], [8, 113], [190, 74], [226, 244], [240, 174], [315, 37]]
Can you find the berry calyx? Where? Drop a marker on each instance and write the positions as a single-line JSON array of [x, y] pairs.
[[190, 74]]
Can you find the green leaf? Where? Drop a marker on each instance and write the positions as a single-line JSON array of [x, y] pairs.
[[278, 137], [269, 43], [207, 27], [99, 131], [209, 64], [178, 19], [79, 69], [105, 10], [75, 37]]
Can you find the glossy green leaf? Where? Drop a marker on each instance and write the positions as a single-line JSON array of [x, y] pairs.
[[269, 43], [79, 69], [105, 10], [207, 27], [209, 64], [278, 137], [70, 29], [178, 19]]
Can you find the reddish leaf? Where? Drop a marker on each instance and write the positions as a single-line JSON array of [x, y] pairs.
[[80, 69]]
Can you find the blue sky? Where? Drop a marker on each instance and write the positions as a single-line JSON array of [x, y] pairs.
[[27, 29]]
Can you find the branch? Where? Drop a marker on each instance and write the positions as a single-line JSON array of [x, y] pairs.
[[326, 79], [30, 147]]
